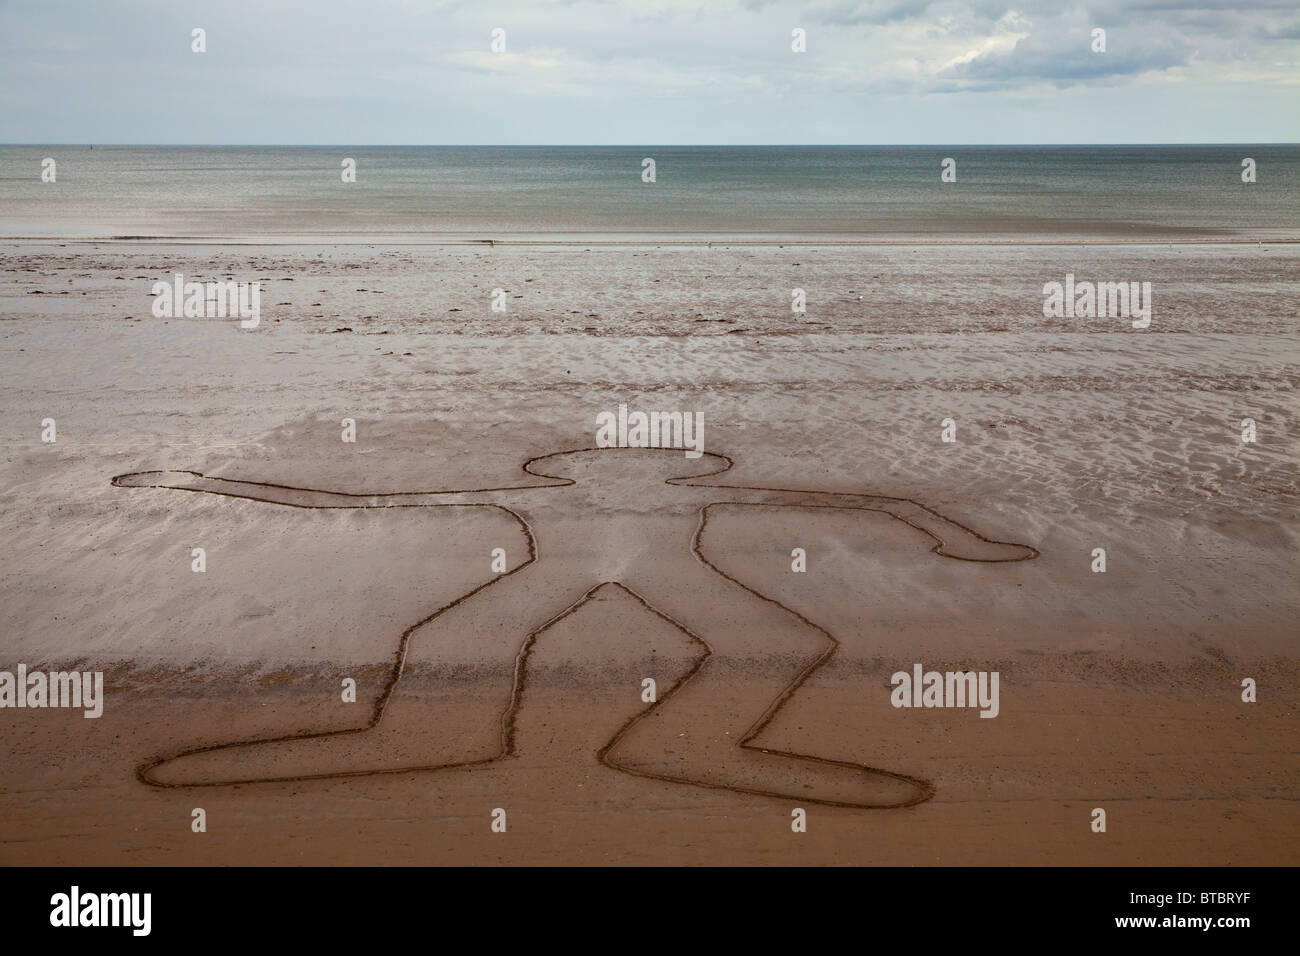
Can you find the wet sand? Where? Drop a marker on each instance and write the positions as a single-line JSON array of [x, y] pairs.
[[1119, 690]]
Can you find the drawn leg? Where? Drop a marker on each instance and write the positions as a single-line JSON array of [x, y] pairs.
[[482, 632], [701, 732]]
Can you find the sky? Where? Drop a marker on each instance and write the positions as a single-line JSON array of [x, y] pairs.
[[339, 72]]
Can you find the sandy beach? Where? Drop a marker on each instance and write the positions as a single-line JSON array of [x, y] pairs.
[[1120, 690]]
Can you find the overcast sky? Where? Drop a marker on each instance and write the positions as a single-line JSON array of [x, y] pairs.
[[649, 72]]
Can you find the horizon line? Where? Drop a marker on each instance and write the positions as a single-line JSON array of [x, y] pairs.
[[83, 144]]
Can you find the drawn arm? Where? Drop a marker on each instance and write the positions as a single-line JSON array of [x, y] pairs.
[[302, 497], [954, 540]]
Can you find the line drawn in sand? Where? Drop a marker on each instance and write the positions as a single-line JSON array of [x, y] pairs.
[[649, 503]]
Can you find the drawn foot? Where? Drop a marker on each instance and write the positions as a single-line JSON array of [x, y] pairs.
[[157, 479], [989, 551], [789, 776], [346, 754]]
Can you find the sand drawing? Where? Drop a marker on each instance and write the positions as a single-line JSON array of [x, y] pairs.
[[616, 517]]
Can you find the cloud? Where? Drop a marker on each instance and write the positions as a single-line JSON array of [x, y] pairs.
[[1063, 59], [581, 67], [854, 12]]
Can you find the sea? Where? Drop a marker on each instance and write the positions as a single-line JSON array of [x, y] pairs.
[[583, 194]]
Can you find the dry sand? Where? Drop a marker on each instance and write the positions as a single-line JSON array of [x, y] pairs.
[[1118, 690]]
